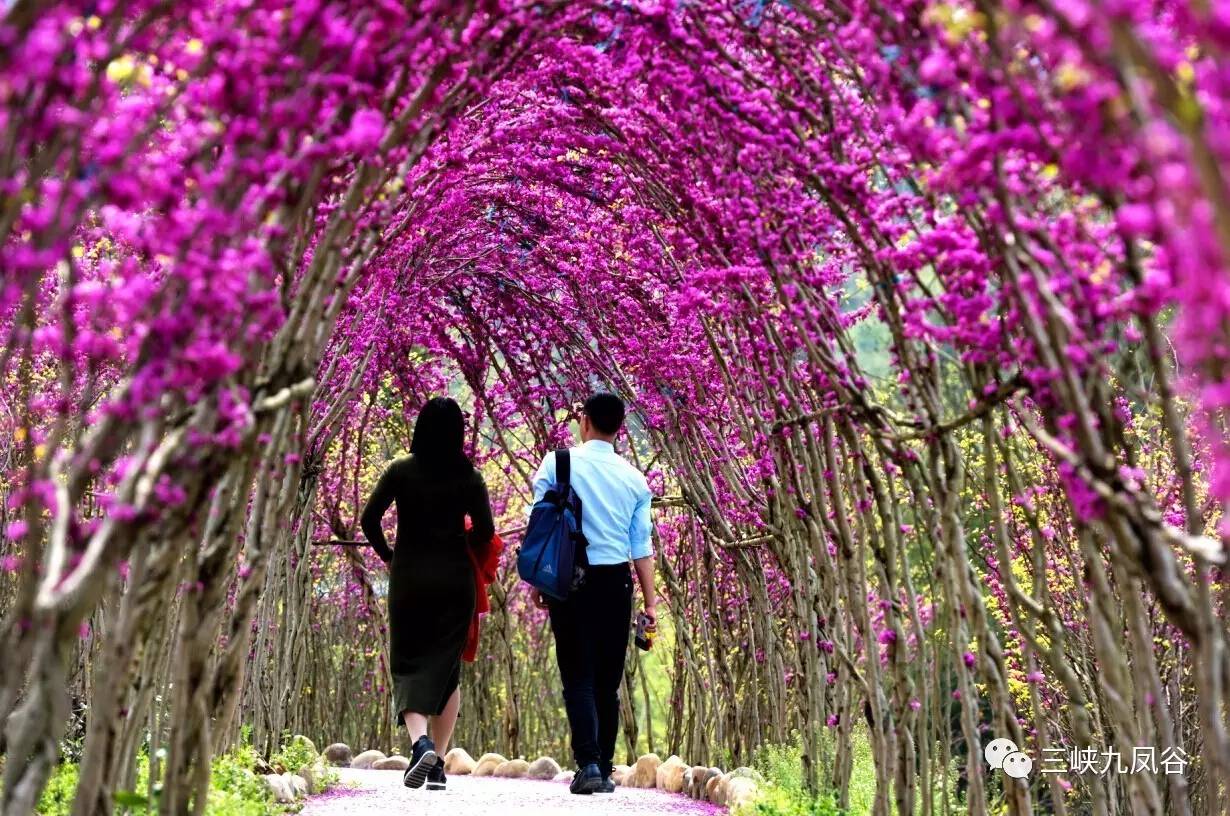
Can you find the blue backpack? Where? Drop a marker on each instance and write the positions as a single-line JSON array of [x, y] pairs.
[[552, 556]]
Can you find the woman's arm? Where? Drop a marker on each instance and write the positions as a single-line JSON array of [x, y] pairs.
[[373, 512], [483, 527]]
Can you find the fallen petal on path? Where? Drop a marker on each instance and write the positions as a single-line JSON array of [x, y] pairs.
[[368, 793]]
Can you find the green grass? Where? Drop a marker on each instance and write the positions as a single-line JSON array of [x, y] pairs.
[[57, 798], [776, 801], [294, 754], [234, 790], [862, 776], [785, 790]]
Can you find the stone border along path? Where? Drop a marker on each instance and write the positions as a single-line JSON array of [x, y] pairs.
[[367, 793]]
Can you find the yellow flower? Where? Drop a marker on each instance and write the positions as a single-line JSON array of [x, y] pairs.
[[126, 69], [1101, 273], [121, 69], [1185, 73], [1071, 76], [958, 21]]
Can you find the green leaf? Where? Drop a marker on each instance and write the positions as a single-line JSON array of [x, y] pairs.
[[130, 799]]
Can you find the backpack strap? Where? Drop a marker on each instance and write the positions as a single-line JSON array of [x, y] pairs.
[[563, 476], [563, 471]]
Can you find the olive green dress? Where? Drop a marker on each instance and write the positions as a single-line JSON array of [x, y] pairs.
[[431, 579]]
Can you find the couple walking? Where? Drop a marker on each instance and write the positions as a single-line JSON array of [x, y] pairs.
[[440, 566]]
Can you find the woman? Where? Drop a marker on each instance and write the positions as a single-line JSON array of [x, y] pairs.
[[431, 581]]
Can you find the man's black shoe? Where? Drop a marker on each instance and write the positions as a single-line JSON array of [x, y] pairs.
[[587, 780], [436, 780], [608, 785], [422, 760]]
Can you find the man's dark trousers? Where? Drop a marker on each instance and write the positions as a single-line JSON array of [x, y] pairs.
[[591, 642]]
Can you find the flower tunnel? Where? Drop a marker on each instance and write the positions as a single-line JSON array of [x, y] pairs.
[[920, 310]]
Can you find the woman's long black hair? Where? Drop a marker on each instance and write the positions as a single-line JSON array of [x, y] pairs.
[[439, 437]]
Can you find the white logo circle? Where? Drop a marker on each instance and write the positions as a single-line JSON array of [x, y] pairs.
[[1018, 765], [997, 749]]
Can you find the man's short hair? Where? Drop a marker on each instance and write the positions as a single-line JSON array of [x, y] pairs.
[[606, 411]]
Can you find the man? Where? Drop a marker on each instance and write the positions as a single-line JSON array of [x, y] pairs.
[[591, 627]]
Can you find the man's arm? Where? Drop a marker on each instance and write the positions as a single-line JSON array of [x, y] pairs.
[[544, 478], [644, 575], [641, 536]]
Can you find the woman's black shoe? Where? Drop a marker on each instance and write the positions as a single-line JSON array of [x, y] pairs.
[[436, 780], [422, 760], [587, 780]]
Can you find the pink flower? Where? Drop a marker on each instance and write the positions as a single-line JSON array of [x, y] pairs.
[[366, 130], [1135, 219], [937, 68]]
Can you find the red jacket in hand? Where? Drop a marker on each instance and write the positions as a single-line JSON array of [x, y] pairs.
[[486, 560]]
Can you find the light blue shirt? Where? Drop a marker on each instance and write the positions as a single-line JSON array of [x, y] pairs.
[[615, 501]]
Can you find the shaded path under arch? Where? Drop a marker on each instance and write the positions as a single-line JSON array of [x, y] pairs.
[[367, 793]]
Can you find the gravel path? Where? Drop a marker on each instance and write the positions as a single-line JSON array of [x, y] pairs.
[[367, 793]]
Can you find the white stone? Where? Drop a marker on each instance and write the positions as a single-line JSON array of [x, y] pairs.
[[393, 763], [365, 759]]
